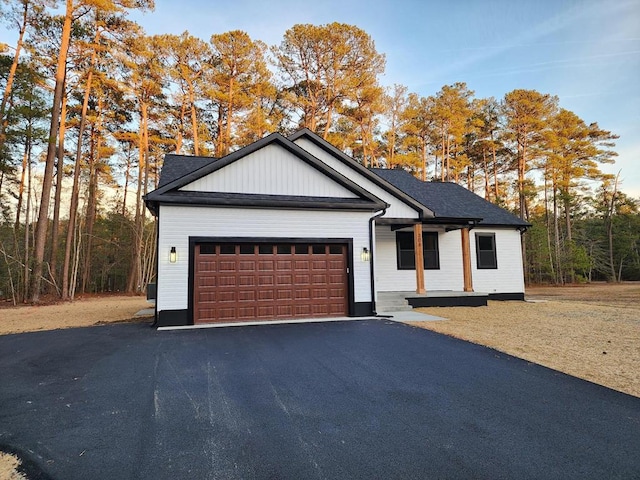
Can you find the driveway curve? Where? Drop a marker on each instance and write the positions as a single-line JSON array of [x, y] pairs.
[[359, 399]]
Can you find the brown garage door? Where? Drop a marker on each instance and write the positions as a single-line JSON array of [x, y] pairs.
[[259, 281]]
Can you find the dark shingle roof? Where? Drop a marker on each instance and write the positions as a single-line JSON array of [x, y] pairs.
[[176, 166], [447, 199]]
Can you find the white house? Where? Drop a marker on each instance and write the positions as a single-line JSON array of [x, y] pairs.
[[292, 227]]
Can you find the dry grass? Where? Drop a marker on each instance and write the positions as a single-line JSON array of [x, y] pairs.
[[591, 332], [9, 467], [80, 313]]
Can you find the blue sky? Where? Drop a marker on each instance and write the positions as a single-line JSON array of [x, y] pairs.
[[584, 51]]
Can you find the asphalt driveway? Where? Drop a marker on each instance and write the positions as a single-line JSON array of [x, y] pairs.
[[362, 399]]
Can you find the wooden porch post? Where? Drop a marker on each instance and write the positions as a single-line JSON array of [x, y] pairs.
[[466, 260], [417, 243]]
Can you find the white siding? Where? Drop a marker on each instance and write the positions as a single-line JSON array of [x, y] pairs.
[[398, 208], [272, 170], [509, 276], [178, 223], [390, 279]]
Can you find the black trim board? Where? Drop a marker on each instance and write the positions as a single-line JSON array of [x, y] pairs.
[[507, 296], [172, 318], [351, 308], [362, 309], [474, 300], [449, 301], [265, 201]]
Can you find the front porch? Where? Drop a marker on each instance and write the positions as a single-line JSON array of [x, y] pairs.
[[407, 300]]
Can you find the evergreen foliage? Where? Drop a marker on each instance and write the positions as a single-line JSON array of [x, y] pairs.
[[91, 104]]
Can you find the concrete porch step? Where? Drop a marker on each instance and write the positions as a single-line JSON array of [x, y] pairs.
[[392, 302], [392, 308]]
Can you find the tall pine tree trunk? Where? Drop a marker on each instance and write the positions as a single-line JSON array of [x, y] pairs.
[[486, 174], [92, 193], [75, 190], [126, 179], [548, 223], [194, 121], [21, 189], [27, 217], [55, 229], [43, 215], [135, 273], [569, 243], [4, 118]]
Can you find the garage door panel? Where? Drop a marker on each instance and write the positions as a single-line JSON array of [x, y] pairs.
[[303, 294], [227, 266], [284, 280], [285, 294], [229, 296], [208, 266], [284, 311], [247, 296], [227, 281], [209, 281], [266, 265], [320, 309], [335, 309], [266, 311], [335, 265], [248, 311], [302, 309], [302, 279], [206, 297], [264, 294], [319, 293], [319, 279], [336, 293], [266, 281], [319, 265], [224, 314], [284, 265], [247, 266]]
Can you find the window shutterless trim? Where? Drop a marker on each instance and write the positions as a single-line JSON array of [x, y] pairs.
[[481, 260], [408, 236]]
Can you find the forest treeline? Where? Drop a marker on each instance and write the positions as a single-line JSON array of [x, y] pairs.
[[91, 104]]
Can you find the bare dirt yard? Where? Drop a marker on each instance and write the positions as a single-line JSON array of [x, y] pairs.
[[82, 312], [588, 331]]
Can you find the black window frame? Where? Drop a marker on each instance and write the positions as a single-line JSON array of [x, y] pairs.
[[482, 255], [430, 257]]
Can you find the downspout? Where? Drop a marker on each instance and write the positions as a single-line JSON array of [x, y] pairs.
[[155, 303], [371, 260]]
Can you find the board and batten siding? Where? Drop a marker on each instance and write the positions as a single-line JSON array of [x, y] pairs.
[[178, 223], [272, 170], [390, 279], [397, 209], [509, 276]]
